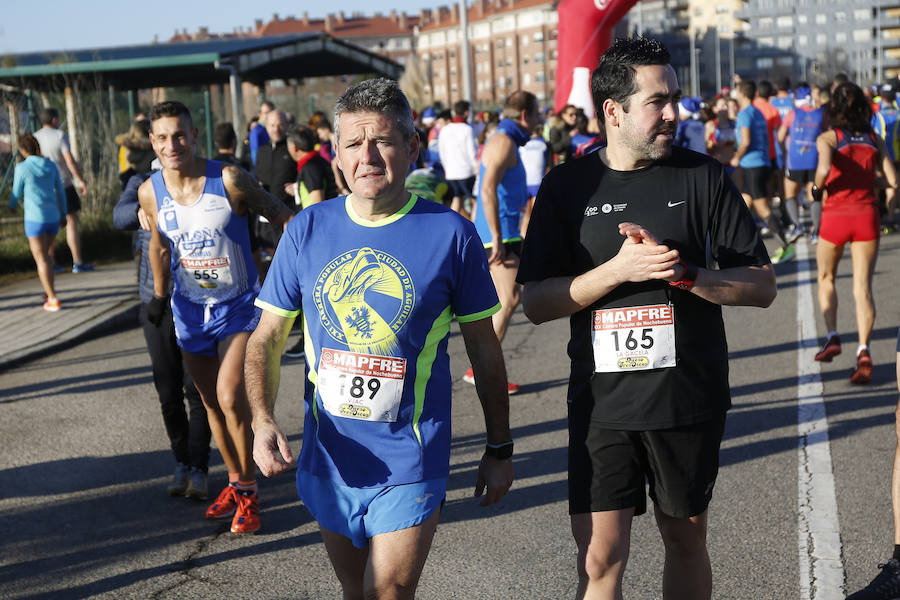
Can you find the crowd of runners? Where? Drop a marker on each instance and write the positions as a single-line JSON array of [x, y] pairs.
[[370, 238]]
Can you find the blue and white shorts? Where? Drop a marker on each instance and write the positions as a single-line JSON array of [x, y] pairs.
[[200, 327], [362, 513]]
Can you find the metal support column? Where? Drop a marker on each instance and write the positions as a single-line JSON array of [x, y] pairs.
[[112, 109], [466, 64], [131, 107], [207, 116]]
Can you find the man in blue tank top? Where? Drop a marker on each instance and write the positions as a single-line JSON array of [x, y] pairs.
[[502, 195], [379, 275], [200, 207], [798, 133]]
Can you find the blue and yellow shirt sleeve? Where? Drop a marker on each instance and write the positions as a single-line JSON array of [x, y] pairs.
[[474, 296]]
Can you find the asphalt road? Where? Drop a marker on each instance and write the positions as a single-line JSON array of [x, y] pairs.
[[85, 460]]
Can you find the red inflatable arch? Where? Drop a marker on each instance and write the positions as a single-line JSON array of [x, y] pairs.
[[584, 33]]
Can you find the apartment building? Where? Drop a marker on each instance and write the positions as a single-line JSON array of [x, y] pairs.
[[815, 39], [512, 45], [711, 23]]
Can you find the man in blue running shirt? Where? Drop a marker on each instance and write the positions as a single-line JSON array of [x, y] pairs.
[[752, 156], [502, 195], [196, 210], [379, 275]]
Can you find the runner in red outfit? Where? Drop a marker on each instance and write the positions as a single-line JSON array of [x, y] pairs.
[[850, 159]]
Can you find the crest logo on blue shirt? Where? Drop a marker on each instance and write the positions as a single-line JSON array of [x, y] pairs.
[[364, 298], [170, 220]]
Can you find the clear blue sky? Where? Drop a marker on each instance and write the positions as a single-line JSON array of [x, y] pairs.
[[69, 25]]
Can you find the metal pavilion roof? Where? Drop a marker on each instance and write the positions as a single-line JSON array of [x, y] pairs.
[[196, 63]]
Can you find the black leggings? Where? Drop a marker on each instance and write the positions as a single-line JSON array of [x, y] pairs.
[[189, 437]]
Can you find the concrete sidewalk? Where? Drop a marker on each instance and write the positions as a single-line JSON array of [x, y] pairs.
[[91, 302]]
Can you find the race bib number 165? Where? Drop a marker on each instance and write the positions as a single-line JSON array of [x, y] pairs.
[[633, 338]]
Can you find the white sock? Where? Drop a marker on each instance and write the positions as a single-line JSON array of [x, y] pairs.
[[861, 348]]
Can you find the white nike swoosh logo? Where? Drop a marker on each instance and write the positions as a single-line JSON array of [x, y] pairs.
[[673, 204], [421, 500]]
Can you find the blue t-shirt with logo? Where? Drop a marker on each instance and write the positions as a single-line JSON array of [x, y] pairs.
[[758, 153], [377, 300]]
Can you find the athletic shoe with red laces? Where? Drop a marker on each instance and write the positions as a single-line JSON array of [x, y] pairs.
[[831, 349], [863, 371], [224, 505], [511, 388], [246, 517]]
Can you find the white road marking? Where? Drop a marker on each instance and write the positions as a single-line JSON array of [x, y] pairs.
[[821, 568]]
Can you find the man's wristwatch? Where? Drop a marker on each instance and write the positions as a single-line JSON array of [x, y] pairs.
[[688, 277], [500, 451]]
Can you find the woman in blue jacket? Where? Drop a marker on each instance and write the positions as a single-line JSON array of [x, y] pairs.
[[38, 186]]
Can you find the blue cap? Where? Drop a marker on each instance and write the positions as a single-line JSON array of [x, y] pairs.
[[802, 93], [690, 104]]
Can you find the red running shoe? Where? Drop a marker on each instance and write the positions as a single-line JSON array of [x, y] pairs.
[[831, 349], [511, 388], [224, 505], [246, 517], [863, 371]]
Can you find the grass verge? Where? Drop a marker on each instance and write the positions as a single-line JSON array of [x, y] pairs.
[[101, 243]]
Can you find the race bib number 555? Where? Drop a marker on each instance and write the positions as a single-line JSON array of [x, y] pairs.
[[361, 386], [633, 338]]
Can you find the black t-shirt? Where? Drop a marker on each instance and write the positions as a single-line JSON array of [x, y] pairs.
[[274, 168], [687, 202], [316, 174]]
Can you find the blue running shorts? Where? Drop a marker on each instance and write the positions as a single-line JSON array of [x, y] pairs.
[[36, 228], [362, 513], [200, 327]]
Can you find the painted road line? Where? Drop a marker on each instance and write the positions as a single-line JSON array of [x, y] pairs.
[[821, 568]]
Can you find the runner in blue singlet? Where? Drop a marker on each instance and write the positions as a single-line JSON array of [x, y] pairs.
[[196, 211]]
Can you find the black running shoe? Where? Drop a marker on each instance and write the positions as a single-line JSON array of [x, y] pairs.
[[884, 587], [296, 351]]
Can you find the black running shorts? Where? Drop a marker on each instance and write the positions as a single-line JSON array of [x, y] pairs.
[[610, 469], [801, 176], [512, 249], [755, 180], [73, 202]]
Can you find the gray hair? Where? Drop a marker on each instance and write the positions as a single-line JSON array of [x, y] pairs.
[[379, 95]]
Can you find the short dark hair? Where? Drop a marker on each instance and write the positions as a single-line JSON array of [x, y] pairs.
[[303, 137], [267, 103], [747, 87], [614, 76], [48, 114], [460, 107], [783, 84], [517, 102], [379, 95], [170, 108], [224, 136], [765, 89]]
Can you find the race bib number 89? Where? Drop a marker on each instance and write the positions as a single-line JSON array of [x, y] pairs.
[[633, 338], [361, 386]]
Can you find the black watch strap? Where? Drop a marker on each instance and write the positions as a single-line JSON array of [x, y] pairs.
[[501, 451]]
